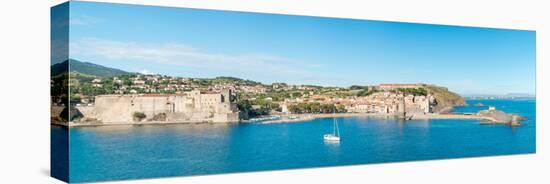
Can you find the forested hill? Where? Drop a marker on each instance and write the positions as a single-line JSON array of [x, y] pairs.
[[86, 68]]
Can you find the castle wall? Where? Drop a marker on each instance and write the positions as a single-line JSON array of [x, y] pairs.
[[191, 107], [112, 109]]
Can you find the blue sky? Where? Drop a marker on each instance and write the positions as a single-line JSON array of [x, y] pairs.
[[301, 50]]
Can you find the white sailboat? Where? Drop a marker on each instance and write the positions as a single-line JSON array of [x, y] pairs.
[[335, 136]]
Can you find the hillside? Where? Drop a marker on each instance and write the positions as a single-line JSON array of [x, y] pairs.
[[234, 80], [86, 68], [85, 72], [445, 99], [59, 68]]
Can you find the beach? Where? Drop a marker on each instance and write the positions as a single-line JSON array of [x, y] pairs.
[[293, 118]]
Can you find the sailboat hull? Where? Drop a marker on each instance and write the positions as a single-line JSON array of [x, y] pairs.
[[330, 137]]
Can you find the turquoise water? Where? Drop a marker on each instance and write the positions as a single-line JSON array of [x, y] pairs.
[[131, 152]]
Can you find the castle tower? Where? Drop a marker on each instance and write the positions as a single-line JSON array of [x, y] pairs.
[[401, 111], [226, 95], [196, 97]]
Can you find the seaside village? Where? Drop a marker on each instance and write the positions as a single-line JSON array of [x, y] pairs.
[[387, 101], [139, 101]]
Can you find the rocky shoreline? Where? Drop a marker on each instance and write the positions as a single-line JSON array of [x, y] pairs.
[[490, 116], [97, 123]]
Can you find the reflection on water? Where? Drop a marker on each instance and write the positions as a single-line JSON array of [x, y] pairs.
[[125, 152], [59, 152], [202, 127]]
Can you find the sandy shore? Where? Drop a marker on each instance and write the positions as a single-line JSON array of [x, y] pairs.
[[306, 117]]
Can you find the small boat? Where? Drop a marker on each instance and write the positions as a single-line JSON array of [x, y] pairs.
[[335, 136]]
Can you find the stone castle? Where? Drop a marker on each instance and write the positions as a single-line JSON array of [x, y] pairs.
[[193, 106]]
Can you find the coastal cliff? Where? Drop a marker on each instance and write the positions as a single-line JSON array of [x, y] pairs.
[[445, 99]]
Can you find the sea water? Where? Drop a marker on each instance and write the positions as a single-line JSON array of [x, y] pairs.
[[131, 152]]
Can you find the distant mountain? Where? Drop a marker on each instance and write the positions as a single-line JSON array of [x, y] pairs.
[[86, 68], [59, 68], [520, 95], [506, 96]]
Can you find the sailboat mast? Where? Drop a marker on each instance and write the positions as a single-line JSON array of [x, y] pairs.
[[334, 126], [337, 130]]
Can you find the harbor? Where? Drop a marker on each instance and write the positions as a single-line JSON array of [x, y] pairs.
[[209, 148]]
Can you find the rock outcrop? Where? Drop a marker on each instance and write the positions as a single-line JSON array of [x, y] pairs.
[[500, 117], [445, 100]]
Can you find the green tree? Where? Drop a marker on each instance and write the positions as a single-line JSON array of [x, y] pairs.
[[138, 116], [414, 91], [296, 94], [127, 82]]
